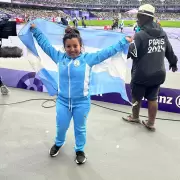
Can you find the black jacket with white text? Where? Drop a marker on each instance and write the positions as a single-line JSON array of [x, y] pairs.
[[148, 52]]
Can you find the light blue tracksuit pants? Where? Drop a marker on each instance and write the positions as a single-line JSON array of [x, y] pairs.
[[65, 110]]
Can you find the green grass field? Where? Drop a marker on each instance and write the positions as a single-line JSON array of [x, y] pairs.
[[127, 23]]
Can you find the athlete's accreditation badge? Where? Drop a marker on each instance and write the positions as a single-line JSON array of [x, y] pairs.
[[76, 63]]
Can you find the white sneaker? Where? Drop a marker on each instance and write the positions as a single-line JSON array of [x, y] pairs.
[[4, 90]]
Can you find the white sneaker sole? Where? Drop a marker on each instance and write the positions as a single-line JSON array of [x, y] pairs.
[[77, 162], [54, 154]]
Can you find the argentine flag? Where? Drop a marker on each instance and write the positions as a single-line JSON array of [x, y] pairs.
[[107, 77]]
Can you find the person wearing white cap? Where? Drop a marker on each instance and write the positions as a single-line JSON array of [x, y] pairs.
[[148, 51], [147, 9]]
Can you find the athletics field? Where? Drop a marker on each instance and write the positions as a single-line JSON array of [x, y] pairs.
[[127, 23]]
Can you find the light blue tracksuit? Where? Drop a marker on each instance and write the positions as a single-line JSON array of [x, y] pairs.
[[73, 95]]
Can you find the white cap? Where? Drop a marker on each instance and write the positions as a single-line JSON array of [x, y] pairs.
[[147, 10]]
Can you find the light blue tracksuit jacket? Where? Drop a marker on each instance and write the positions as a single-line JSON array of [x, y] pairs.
[[73, 94]]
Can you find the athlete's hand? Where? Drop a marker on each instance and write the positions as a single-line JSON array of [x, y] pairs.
[[33, 26], [129, 39]]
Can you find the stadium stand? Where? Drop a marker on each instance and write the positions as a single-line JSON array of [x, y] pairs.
[[112, 2], [56, 8], [43, 13], [102, 5]]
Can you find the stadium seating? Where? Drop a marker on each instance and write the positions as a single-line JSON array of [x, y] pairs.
[[37, 13], [108, 2], [32, 13]]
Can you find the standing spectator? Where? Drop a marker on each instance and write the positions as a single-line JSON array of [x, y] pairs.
[[83, 22], [75, 22], [150, 47], [121, 26]]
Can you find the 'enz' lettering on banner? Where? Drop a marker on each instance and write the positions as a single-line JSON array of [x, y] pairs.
[[164, 100]]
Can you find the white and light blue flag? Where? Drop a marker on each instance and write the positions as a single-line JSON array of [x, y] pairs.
[[107, 77]]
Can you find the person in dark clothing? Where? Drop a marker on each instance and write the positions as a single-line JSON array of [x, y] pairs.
[[75, 22], [115, 23], [83, 22], [148, 51], [64, 21]]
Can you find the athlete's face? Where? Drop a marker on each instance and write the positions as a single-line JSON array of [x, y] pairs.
[[72, 47]]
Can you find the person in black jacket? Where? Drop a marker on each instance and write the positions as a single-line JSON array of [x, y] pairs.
[[148, 51]]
